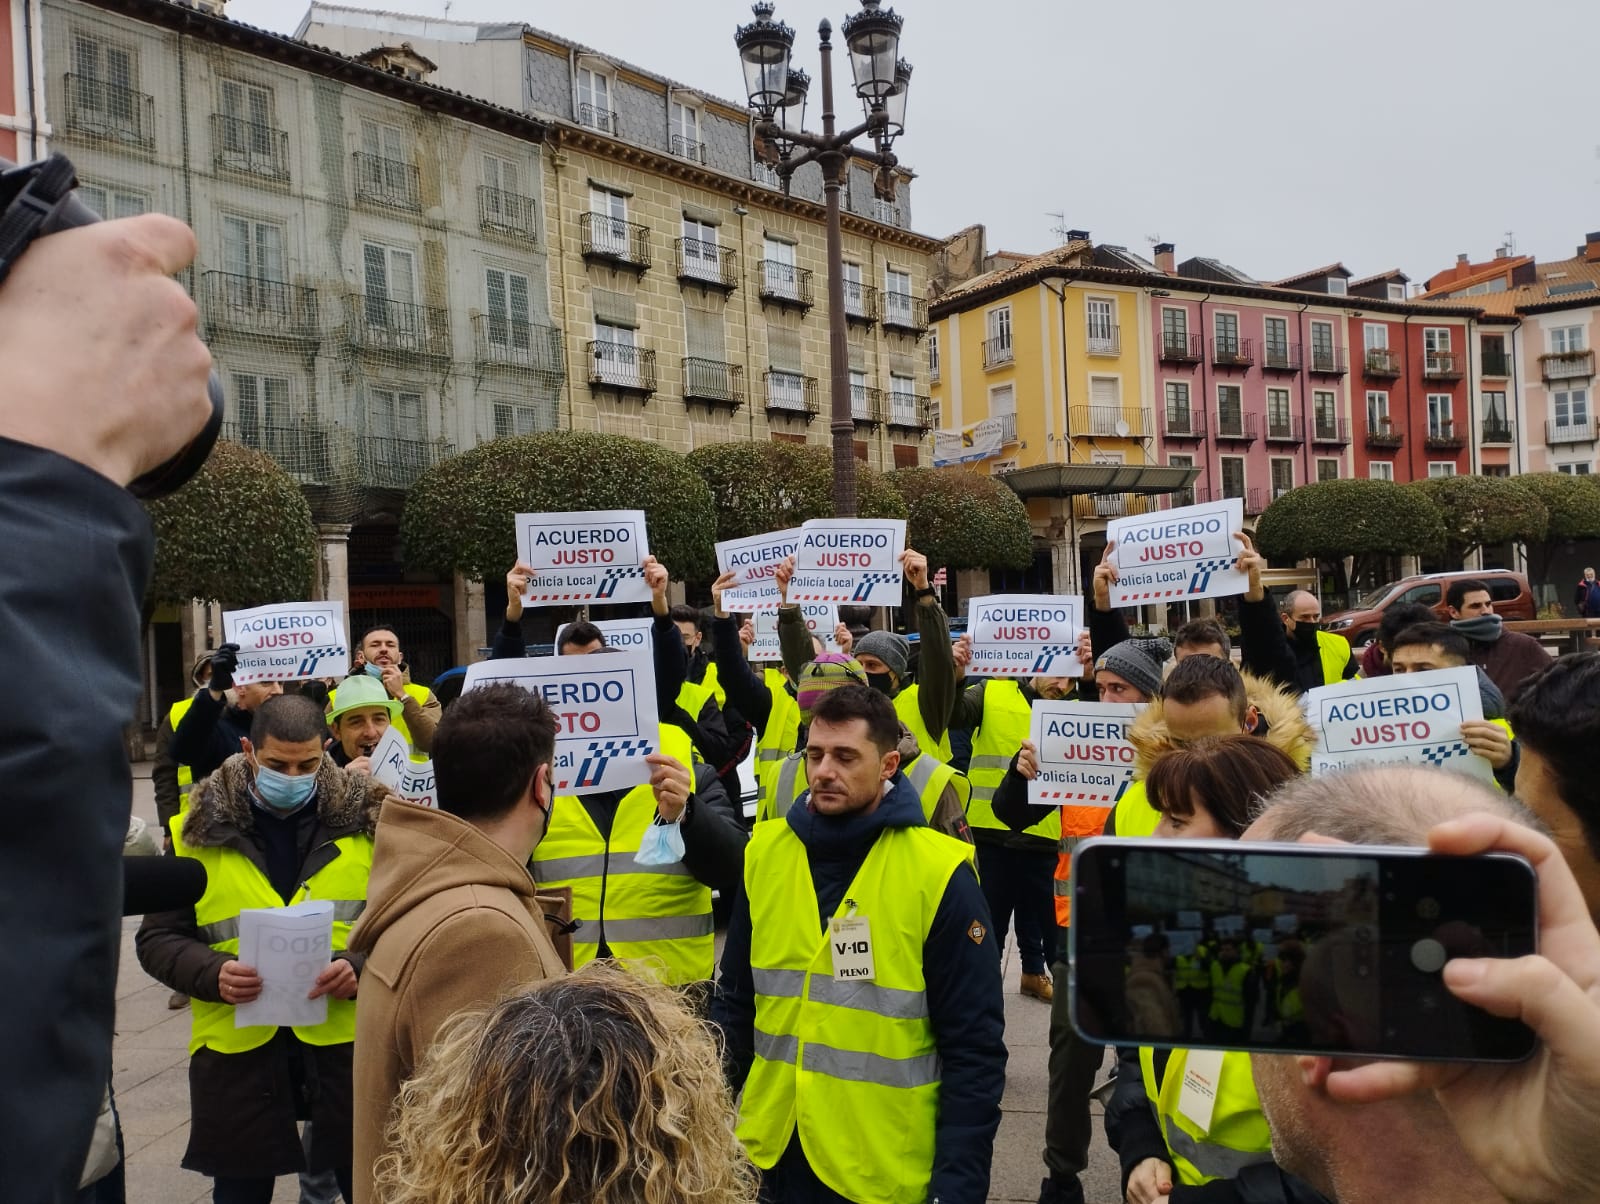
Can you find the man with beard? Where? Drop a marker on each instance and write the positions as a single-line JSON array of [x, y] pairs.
[[362, 711]]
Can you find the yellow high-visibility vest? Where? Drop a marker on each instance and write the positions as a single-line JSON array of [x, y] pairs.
[[927, 774], [1237, 1136], [779, 738], [906, 706], [1001, 731], [185, 772]]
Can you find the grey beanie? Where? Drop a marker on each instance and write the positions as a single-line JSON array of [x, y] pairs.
[[892, 649], [1137, 662]]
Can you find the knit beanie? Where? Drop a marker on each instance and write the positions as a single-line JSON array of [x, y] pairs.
[[828, 672], [1137, 662], [892, 649]]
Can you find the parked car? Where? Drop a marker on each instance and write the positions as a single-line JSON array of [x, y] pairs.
[[1509, 591]]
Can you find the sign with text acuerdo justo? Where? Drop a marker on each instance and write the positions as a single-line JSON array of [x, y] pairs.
[[1187, 553], [605, 708], [1402, 719], [1025, 635], [1084, 755], [288, 641], [854, 560], [755, 560], [820, 617], [394, 764], [630, 635], [584, 556]]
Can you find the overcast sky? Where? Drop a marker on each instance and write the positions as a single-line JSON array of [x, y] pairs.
[[1276, 136]]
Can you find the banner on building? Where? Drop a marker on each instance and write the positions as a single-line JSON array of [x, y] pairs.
[[1188, 553], [1025, 635], [584, 556], [755, 559], [853, 560], [1402, 719], [288, 641], [1085, 757], [979, 441]]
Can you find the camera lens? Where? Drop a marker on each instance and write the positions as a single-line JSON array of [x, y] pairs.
[[1428, 956]]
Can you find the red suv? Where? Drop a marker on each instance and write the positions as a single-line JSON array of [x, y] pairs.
[[1509, 592]]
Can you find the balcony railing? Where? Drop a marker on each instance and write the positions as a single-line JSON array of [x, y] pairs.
[[688, 148], [1581, 430], [1280, 357], [266, 307], [866, 406], [1112, 422], [1111, 505], [790, 393], [1444, 437], [1104, 340], [1497, 364], [505, 343], [1567, 365], [507, 213], [1385, 435], [902, 311], [613, 240], [388, 463], [379, 325], [860, 302], [707, 264], [239, 145], [1232, 353], [785, 285], [1255, 499], [713, 382], [910, 412], [100, 110], [1498, 431], [997, 352], [1181, 348], [1235, 427], [597, 118], [1184, 422], [306, 450], [1331, 430], [1326, 361], [389, 182], [1441, 365], [621, 366], [1176, 499], [1008, 429], [1285, 428], [1383, 363]]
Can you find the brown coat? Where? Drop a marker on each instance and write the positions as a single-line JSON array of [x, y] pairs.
[[453, 921]]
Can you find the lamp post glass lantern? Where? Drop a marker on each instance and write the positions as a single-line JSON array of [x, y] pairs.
[[873, 38], [764, 47], [790, 116], [895, 103]]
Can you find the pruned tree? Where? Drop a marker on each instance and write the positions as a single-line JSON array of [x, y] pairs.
[[964, 520], [1483, 511], [1573, 506], [762, 487]]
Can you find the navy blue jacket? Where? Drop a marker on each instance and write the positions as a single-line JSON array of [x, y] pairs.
[[965, 1001]]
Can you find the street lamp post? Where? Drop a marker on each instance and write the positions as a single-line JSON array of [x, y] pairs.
[[777, 94]]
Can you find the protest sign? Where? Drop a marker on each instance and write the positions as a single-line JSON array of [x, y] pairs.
[[630, 635], [1024, 635], [821, 618], [288, 947], [755, 560], [1083, 751], [394, 764], [1402, 719], [1229, 925], [605, 710], [584, 556], [766, 646], [1287, 922], [849, 560], [1190, 919], [1183, 943], [288, 641], [1186, 553]]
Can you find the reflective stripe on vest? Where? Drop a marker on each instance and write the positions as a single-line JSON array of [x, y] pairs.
[[1238, 1135], [185, 773], [1335, 653], [421, 693], [1077, 824], [927, 774], [778, 739], [910, 712], [656, 917], [1001, 731], [853, 1066], [233, 883]]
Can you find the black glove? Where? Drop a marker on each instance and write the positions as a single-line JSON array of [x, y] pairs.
[[223, 662]]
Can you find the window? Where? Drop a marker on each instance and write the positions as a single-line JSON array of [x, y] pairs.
[[1003, 405], [1380, 470], [1436, 346], [252, 265], [1496, 418], [897, 297], [1377, 409], [1100, 319], [512, 419], [907, 455], [1327, 470], [507, 297], [1375, 336], [1421, 595], [1564, 339], [902, 400], [501, 207], [1338, 286], [616, 356], [886, 212], [1230, 411], [933, 352], [1279, 420], [1441, 423], [1573, 470], [111, 202], [594, 100], [1105, 405], [997, 341], [1571, 408], [1441, 468], [384, 169], [1226, 329], [261, 404], [1277, 340], [1282, 475], [702, 257], [1495, 470], [1397, 292], [860, 404], [608, 222], [781, 278], [685, 128], [1322, 346], [1174, 331], [103, 83], [391, 289], [1180, 420], [855, 300], [1182, 497], [1232, 476], [394, 414], [248, 139], [1325, 413]]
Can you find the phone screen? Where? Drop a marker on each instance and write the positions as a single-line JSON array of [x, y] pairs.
[[1302, 948]]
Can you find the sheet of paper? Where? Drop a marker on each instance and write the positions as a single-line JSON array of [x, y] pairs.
[[821, 618], [584, 556], [1182, 943], [1084, 754], [1025, 635], [288, 641], [288, 947], [630, 635], [1402, 719], [1187, 553], [855, 560], [394, 765], [755, 558], [1202, 1075], [605, 707]]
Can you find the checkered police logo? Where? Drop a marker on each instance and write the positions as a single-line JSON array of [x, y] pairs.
[[1203, 569], [1438, 754], [1048, 654], [870, 579], [611, 578], [602, 752]]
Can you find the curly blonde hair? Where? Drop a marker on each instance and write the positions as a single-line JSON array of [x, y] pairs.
[[597, 1088]]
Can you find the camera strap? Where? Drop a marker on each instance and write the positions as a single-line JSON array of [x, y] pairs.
[[33, 194]]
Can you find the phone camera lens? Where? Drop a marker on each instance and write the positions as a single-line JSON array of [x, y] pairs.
[[1428, 956], [1428, 908]]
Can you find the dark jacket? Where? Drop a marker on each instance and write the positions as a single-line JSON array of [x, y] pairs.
[[164, 776], [1510, 660], [1587, 599], [1266, 650], [76, 654], [243, 1107], [667, 653], [209, 733], [963, 986], [744, 687]]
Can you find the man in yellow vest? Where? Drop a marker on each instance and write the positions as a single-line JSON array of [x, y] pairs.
[[1287, 645], [860, 994], [277, 824], [379, 657]]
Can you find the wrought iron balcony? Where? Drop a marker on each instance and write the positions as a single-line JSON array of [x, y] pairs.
[[1280, 357], [379, 325], [910, 412], [1104, 341], [1008, 429], [785, 285], [1566, 365], [1232, 353], [501, 212], [1383, 363], [96, 109], [390, 182], [1330, 430], [305, 450], [1496, 364], [259, 307], [1111, 422], [1498, 431], [688, 148], [1444, 437], [997, 352], [1111, 505], [1183, 422], [902, 311], [388, 463], [246, 146], [707, 264], [866, 406], [1385, 434], [860, 302], [713, 382], [597, 118], [1233, 426], [1181, 348], [611, 240], [622, 367], [1580, 430], [1326, 361], [1441, 365], [1176, 499], [1285, 428], [790, 393], [1255, 499], [504, 343]]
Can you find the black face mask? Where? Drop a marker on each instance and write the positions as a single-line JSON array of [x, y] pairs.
[[883, 683], [1306, 634]]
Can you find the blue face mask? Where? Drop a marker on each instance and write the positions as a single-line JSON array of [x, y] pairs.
[[283, 793], [373, 670]]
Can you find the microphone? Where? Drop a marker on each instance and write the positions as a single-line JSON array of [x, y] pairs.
[[161, 884]]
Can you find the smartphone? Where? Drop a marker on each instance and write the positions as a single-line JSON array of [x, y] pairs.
[[1292, 948]]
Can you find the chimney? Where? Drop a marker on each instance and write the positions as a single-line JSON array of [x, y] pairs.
[[1165, 254], [1591, 247], [1462, 260], [1077, 236], [1502, 252]]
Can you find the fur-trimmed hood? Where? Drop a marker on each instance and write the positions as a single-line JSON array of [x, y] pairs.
[[1287, 727], [220, 807]]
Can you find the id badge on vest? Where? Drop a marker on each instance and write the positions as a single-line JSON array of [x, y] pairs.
[[850, 943], [1202, 1076]]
